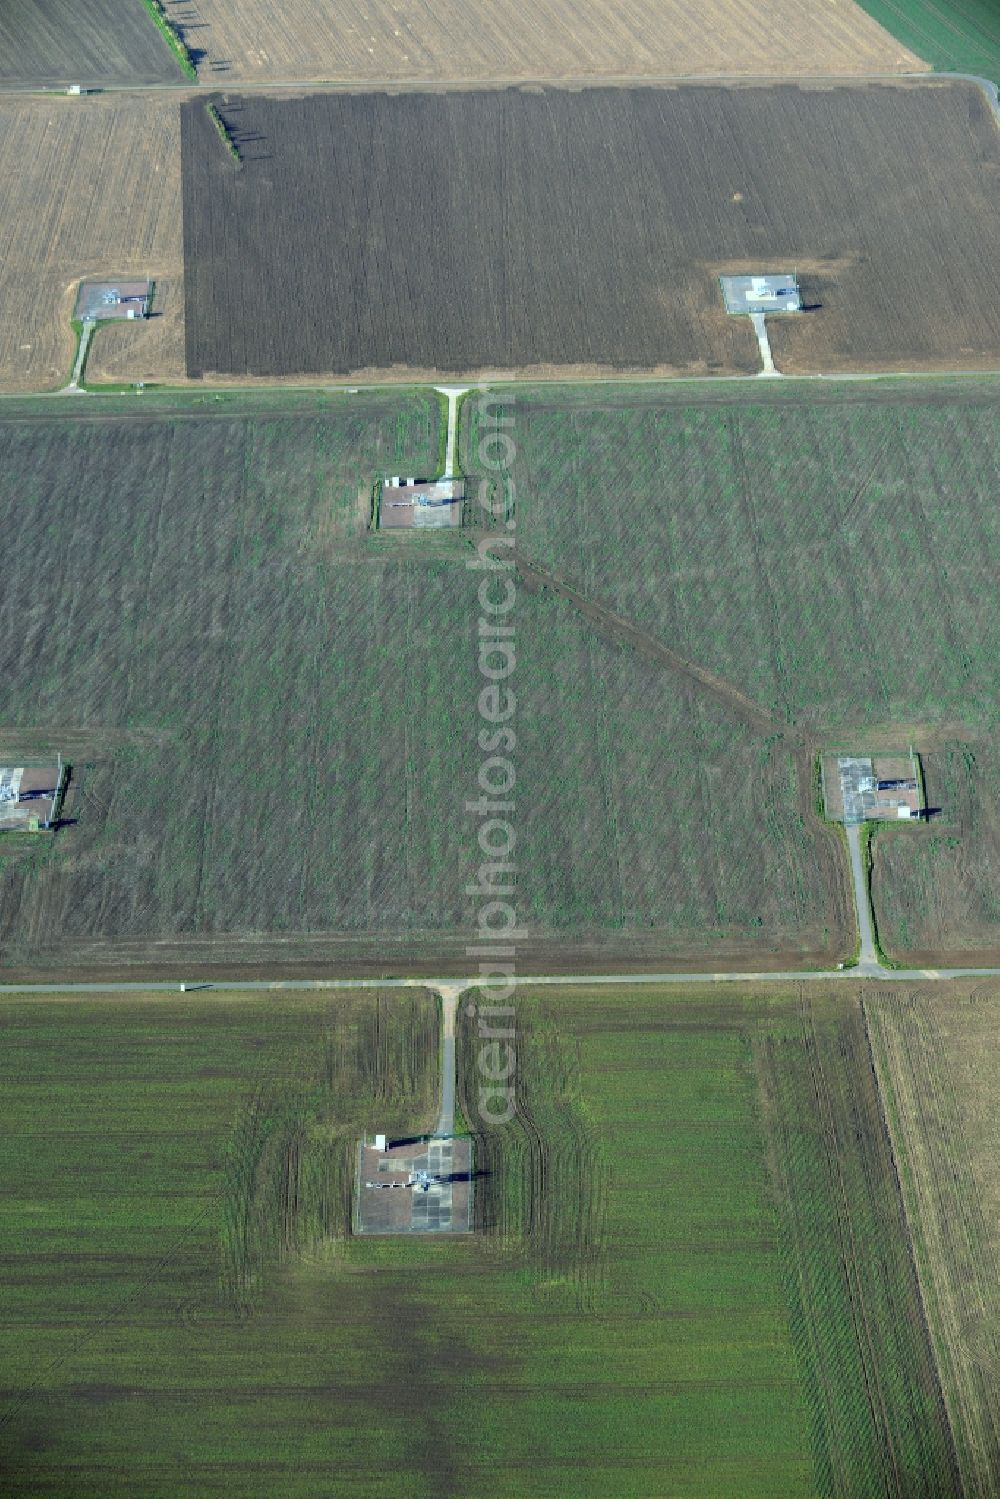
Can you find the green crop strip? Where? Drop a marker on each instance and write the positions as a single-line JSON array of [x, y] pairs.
[[224, 133], [954, 36], [869, 831], [462, 401], [77, 325]]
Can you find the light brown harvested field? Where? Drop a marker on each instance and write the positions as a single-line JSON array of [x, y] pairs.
[[88, 187], [335, 40], [935, 1057]]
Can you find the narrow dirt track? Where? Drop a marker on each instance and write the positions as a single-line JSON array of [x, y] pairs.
[[449, 994], [868, 957], [621, 631]]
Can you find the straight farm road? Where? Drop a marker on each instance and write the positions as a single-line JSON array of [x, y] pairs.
[[185, 89], [454, 987], [868, 955], [764, 344], [86, 335], [450, 994], [452, 394]]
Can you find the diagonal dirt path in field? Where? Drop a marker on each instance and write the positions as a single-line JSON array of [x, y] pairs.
[[621, 631], [845, 915]]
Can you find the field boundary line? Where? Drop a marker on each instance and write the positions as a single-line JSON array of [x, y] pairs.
[[292, 385]]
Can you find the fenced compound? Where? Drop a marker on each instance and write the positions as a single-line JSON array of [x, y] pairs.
[[880, 788], [420, 504], [30, 796], [104, 301], [764, 293], [421, 1185]]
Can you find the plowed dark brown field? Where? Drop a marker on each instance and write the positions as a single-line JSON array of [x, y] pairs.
[[81, 41], [540, 229]]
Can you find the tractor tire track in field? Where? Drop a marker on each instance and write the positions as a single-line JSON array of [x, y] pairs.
[[948, 1231], [920, 1295], [820, 1385], [847, 1250], [742, 472], [851, 1276], [542, 1196], [866, 1119]]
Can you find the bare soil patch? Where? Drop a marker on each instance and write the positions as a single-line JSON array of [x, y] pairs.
[[331, 39], [587, 229], [87, 187]]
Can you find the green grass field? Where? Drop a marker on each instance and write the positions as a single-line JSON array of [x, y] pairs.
[[829, 554], [129, 1362], [954, 36], [693, 1279], [272, 716], [937, 894]]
